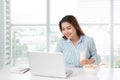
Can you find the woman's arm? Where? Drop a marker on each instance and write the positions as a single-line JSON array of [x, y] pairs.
[[59, 46], [94, 58]]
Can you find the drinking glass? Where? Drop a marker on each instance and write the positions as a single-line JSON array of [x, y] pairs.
[[82, 55]]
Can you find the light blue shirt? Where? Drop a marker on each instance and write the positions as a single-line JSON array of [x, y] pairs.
[[72, 52]]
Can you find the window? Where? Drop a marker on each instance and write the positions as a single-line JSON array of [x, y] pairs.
[[28, 11], [35, 25], [116, 33]]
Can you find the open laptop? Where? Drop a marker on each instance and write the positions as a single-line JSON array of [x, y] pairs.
[[48, 64]]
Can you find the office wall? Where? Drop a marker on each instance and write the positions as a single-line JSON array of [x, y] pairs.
[[1, 34]]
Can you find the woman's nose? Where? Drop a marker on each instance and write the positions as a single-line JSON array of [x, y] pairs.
[[66, 32]]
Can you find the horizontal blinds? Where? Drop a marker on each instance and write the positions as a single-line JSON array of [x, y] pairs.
[[1, 34], [7, 33]]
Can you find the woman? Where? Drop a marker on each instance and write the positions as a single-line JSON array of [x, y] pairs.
[[74, 43]]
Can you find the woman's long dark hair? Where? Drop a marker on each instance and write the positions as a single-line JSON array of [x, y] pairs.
[[73, 21]]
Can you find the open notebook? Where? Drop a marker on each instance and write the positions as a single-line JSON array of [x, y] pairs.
[[48, 64]]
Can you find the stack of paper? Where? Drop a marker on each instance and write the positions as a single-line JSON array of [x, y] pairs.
[[19, 70]]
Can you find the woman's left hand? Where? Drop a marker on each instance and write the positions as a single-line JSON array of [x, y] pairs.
[[87, 61]]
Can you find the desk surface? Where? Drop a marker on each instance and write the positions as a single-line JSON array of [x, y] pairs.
[[78, 74]]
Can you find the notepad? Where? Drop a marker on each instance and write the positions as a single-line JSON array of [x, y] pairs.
[[19, 70]]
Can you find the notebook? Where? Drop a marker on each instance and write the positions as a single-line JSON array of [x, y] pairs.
[[48, 64]]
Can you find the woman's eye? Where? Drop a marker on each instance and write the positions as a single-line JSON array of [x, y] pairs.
[[69, 28]]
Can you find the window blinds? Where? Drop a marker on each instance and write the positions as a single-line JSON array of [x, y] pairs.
[[1, 34], [7, 33]]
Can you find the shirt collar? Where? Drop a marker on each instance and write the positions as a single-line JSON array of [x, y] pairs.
[[68, 40], [80, 40]]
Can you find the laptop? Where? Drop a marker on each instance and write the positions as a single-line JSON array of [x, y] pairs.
[[48, 64]]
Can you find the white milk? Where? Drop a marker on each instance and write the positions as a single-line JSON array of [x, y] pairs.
[[82, 55]]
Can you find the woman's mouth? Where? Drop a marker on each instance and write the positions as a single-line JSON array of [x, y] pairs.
[[68, 35]]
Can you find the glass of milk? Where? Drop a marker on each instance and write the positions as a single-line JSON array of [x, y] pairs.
[[82, 55]]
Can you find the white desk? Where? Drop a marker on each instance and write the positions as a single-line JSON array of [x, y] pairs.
[[78, 74]]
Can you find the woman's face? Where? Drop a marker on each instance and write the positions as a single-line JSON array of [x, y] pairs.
[[68, 30]]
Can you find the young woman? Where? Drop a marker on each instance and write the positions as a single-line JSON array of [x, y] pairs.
[[74, 44]]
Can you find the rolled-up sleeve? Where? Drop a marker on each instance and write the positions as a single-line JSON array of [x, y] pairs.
[[93, 51]]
